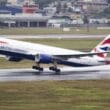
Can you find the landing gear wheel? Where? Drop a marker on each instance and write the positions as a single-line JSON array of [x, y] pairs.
[[51, 68], [37, 68], [57, 71]]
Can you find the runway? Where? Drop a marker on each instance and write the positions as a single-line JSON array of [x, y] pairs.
[[7, 75], [52, 36]]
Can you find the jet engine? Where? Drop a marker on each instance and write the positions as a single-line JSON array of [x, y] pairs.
[[14, 59], [43, 58]]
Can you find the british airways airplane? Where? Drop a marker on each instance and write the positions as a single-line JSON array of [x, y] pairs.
[[16, 51]]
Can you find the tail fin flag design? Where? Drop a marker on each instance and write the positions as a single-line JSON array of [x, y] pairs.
[[104, 46]]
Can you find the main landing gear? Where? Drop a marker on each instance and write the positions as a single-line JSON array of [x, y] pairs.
[[54, 68], [37, 67]]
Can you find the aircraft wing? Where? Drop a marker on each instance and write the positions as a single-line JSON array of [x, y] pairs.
[[81, 54], [65, 57]]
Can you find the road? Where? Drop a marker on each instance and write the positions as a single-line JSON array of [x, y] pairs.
[[7, 75]]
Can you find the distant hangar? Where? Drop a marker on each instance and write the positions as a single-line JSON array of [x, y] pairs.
[[24, 20]]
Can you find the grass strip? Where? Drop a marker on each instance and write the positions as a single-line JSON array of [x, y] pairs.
[[37, 31], [55, 95]]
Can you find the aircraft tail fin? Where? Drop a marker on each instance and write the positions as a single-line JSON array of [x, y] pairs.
[[103, 46]]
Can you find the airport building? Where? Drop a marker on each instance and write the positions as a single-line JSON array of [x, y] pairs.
[[30, 8], [23, 20], [92, 5], [27, 15], [10, 10], [17, 2], [13, 2]]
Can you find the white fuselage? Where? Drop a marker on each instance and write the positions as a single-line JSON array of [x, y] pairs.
[[7, 45]]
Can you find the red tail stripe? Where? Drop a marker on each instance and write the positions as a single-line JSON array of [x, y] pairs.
[[106, 41], [100, 55], [2, 42]]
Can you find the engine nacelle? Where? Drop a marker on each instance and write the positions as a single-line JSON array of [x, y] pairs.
[[14, 59], [43, 58]]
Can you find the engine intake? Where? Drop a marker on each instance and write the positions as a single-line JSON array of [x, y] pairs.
[[43, 58]]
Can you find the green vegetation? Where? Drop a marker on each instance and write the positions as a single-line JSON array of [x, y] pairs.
[[76, 44], [3, 2], [37, 31], [104, 13], [55, 95]]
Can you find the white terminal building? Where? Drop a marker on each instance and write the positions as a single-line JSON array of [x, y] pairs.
[[24, 20]]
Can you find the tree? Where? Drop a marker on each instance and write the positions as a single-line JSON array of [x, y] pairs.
[[70, 10], [59, 7], [86, 21], [107, 10], [65, 7], [3, 2]]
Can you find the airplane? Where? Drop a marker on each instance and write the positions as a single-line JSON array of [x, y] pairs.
[[16, 51]]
